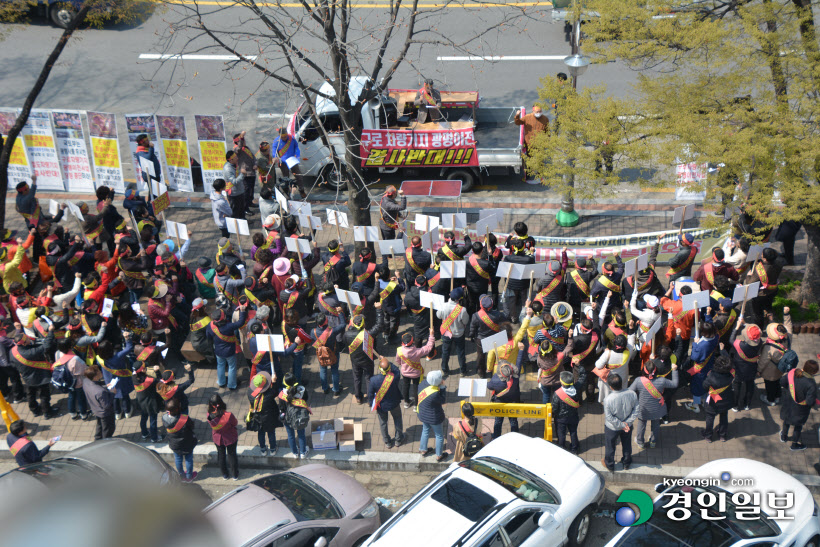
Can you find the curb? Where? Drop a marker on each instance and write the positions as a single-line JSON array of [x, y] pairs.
[[249, 458]]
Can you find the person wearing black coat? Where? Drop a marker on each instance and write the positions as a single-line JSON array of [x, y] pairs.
[[720, 398], [515, 290], [416, 261], [744, 351], [149, 404], [168, 388], [505, 388], [480, 329], [787, 233], [262, 397], [364, 271], [388, 402], [338, 260], [179, 429], [33, 360], [609, 280], [799, 397], [480, 271], [579, 283], [361, 362], [565, 403], [419, 315]]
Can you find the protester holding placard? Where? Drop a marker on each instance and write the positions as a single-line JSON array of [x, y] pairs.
[[234, 184], [767, 271], [579, 283], [364, 269], [389, 294], [417, 261], [361, 345], [286, 153], [480, 274], [454, 323], [700, 362], [706, 273], [680, 265], [609, 280], [390, 212]]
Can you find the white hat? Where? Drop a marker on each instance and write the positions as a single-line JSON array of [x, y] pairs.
[[651, 300], [434, 377]]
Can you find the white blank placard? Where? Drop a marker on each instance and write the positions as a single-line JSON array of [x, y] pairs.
[[277, 342], [182, 230], [535, 271], [679, 214], [750, 291], [429, 299], [518, 271], [485, 225], [157, 187], [391, 246], [53, 207], [283, 201], [292, 246], [75, 211], [497, 339], [472, 387], [365, 233], [263, 342], [299, 208], [643, 262], [108, 307], [147, 166], [455, 269], [425, 223], [656, 326], [292, 162], [688, 300], [503, 269], [498, 214], [337, 218], [630, 267], [454, 221], [304, 245], [348, 297], [171, 228], [754, 252]]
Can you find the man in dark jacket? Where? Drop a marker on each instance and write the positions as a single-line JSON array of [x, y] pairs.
[[565, 403], [179, 429], [579, 283], [22, 448], [680, 265], [223, 335], [364, 271], [294, 297], [33, 360], [134, 272], [718, 384], [100, 402], [484, 324], [515, 290], [480, 271], [799, 397], [450, 251], [706, 273], [431, 400], [262, 392], [390, 212], [767, 271], [609, 280], [744, 351], [505, 389], [417, 261], [438, 284], [389, 293], [418, 314], [337, 260], [520, 230], [551, 288], [384, 397], [586, 346], [361, 345], [61, 262]]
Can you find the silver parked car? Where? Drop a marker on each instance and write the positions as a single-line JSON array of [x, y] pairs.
[[309, 506]]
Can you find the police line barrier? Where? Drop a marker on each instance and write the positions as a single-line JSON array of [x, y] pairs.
[[517, 410]]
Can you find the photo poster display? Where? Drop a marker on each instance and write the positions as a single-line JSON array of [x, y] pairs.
[[105, 150], [174, 136], [39, 140], [19, 168], [72, 150], [210, 133], [136, 125]]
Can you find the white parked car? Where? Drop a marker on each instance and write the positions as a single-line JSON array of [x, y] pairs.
[[722, 526], [517, 491]]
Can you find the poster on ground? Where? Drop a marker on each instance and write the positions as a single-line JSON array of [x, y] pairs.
[[39, 140], [72, 151], [136, 125], [105, 151], [210, 132], [174, 139], [19, 168]]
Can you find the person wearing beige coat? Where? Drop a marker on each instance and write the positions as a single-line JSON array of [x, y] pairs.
[[779, 339]]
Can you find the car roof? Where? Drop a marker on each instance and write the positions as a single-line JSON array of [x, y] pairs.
[[431, 523], [346, 490], [246, 512], [766, 479], [18, 487], [121, 458]]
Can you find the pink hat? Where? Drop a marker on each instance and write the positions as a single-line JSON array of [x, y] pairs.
[[281, 266]]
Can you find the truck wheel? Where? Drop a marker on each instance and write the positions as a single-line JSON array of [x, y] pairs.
[[62, 13], [334, 177], [466, 177]]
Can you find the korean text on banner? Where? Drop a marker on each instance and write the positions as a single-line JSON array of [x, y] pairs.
[[39, 140], [690, 177], [71, 148], [19, 170], [210, 133], [105, 151], [174, 138], [136, 125], [436, 148]]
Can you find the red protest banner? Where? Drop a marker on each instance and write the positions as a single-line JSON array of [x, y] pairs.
[[436, 148]]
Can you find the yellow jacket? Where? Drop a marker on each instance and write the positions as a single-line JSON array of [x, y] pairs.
[[508, 352], [11, 270]]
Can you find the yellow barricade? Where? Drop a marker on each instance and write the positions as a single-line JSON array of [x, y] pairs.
[[517, 410]]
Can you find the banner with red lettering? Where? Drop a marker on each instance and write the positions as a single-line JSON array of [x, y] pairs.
[[210, 132], [39, 140], [174, 137], [19, 169], [402, 148], [68, 129], [105, 150]]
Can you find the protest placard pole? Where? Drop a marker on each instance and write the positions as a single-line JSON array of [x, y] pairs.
[[529, 292], [682, 217], [431, 314], [301, 265], [270, 353], [697, 320], [392, 254], [487, 240], [743, 306], [338, 228], [82, 232], [136, 229], [453, 277], [238, 238]]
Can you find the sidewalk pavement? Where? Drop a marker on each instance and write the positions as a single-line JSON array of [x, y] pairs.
[[752, 434]]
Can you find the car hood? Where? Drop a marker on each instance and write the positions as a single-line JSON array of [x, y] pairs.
[[567, 473], [351, 495], [766, 479], [122, 459], [242, 514]]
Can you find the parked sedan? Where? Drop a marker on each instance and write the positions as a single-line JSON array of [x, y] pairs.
[[708, 524], [309, 506], [517, 491]]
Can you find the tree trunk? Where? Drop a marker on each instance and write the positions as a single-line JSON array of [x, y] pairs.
[[810, 288], [14, 132]]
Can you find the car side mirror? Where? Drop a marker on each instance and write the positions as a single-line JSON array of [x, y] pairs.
[[545, 519], [321, 542], [659, 488]]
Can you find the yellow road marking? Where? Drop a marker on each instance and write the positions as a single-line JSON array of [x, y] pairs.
[[657, 189], [425, 5]]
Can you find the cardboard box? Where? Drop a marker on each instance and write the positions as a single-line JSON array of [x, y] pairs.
[[323, 433], [351, 438], [190, 353]]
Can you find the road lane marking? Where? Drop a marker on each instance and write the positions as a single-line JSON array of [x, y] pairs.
[[504, 58], [192, 57]]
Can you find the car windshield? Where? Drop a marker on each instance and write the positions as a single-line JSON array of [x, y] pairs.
[[520, 482], [305, 499], [55, 473], [465, 499]]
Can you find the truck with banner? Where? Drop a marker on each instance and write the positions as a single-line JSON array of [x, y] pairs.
[[467, 144]]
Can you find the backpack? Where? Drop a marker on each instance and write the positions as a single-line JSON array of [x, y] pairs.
[[297, 417], [788, 361], [473, 443], [331, 276], [325, 356], [62, 379]]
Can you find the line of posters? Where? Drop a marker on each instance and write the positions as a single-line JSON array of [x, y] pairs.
[[53, 145]]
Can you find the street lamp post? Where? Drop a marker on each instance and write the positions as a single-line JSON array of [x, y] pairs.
[[576, 64]]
